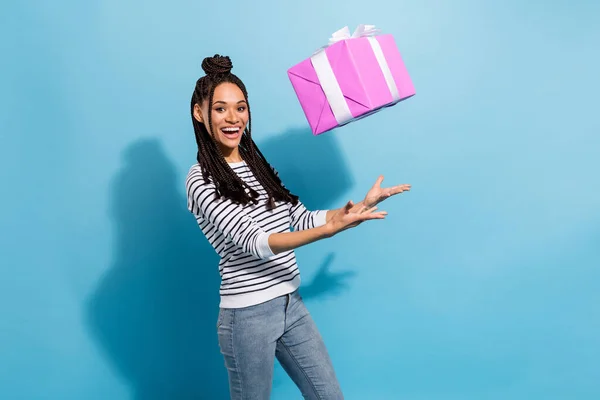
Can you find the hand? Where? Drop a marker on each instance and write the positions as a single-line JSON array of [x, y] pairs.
[[346, 218], [377, 194]]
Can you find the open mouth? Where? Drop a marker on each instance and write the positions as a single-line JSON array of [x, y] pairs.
[[231, 132]]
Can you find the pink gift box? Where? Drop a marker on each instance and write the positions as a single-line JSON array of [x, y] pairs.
[[369, 75]]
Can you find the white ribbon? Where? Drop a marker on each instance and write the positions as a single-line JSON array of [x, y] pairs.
[[331, 88], [385, 68], [329, 83], [361, 30]]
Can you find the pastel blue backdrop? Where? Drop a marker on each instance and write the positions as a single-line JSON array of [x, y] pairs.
[[483, 282]]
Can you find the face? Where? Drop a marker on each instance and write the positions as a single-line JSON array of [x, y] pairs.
[[229, 116]]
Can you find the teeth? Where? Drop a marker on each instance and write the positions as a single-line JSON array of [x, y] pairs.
[[231, 129]]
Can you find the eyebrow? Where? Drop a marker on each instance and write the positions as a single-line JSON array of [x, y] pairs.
[[222, 102]]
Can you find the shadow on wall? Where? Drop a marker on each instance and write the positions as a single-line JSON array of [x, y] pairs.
[[312, 167], [154, 312]]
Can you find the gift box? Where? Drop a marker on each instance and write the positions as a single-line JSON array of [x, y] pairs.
[[350, 78]]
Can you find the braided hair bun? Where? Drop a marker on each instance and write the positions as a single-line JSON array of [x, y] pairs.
[[217, 65]]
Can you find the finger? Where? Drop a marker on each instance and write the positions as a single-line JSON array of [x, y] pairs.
[[379, 180], [362, 209], [359, 219], [380, 213], [368, 210], [400, 188], [377, 215], [348, 206]]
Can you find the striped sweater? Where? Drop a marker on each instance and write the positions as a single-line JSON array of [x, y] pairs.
[[250, 272]]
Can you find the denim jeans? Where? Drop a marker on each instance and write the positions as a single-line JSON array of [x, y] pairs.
[[250, 338]]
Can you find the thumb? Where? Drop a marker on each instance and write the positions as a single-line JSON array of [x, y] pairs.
[[348, 206]]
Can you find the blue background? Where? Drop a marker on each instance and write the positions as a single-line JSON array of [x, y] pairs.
[[483, 282]]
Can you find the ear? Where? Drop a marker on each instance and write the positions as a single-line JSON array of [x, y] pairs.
[[198, 113]]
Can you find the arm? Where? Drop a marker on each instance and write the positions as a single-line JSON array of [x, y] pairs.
[[331, 213], [344, 218], [227, 217], [231, 219], [303, 219], [337, 220], [281, 242]]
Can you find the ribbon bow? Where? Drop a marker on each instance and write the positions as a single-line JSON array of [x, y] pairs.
[[361, 30]]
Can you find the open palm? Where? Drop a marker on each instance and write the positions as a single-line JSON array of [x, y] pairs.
[[350, 216], [377, 194]]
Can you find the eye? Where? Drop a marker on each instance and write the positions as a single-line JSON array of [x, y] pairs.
[[241, 108], [219, 109]]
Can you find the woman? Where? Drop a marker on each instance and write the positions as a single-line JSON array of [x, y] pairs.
[[246, 213]]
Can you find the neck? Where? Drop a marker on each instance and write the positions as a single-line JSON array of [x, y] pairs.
[[232, 155]]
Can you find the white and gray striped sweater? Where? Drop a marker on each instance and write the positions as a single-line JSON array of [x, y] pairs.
[[250, 272]]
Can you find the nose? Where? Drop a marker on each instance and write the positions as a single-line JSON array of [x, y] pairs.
[[231, 117]]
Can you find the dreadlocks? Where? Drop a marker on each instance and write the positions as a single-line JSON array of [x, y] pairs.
[[210, 157]]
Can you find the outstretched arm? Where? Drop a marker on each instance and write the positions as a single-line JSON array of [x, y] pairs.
[[331, 213], [374, 196], [349, 216], [230, 219]]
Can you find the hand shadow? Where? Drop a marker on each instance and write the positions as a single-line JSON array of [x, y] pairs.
[[312, 167], [325, 283]]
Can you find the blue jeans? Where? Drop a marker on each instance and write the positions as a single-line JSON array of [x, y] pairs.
[[250, 338]]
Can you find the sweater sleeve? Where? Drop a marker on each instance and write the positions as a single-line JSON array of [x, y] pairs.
[[228, 217], [302, 218]]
